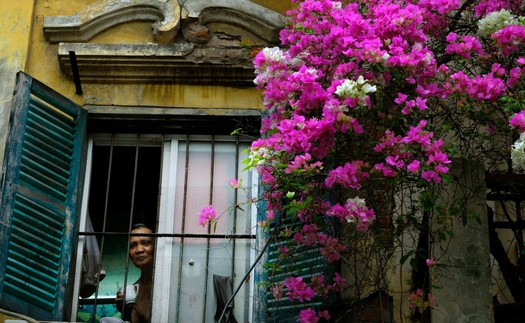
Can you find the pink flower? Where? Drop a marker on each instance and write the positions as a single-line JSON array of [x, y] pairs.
[[431, 176], [431, 262], [207, 214], [339, 282], [270, 215], [414, 166], [416, 300], [518, 121], [308, 316], [277, 291], [298, 289], [451, 37], [351, 175], [324, 314], [234, 183]]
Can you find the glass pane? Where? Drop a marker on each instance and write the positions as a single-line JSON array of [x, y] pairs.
[[197, 259], [193, 272]]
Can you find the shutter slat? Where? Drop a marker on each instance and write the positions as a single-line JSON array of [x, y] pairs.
[[39, 170], [48, 143], [52, 120], [40, 183], [35, 146], [39, 200], [30, 253], [304, 261], [54, 221], [17, 287]]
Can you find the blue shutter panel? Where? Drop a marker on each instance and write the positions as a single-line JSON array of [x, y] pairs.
[[305, 262], [39, 199]]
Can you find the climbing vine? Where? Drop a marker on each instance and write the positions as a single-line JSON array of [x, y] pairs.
[[368, 103]]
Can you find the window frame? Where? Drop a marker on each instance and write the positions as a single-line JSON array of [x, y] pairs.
[[164, 250]]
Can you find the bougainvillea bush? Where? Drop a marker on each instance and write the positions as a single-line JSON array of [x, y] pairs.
[[366, 99]]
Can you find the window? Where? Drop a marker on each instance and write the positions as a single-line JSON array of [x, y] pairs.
[[163, 180], [193, 171]]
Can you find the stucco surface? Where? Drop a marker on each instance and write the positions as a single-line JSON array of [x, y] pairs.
[[45, 68], [15, 36]]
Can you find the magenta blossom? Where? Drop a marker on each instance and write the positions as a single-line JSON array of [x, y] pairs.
[[207, 215], [518, 121], [234, 183]]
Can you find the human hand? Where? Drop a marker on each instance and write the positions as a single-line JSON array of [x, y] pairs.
[[120, 296], [118, 300]]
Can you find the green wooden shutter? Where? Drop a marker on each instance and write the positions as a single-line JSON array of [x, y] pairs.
[[305, 262], [39, 196]]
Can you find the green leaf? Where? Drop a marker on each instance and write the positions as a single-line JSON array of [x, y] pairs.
[[236, 131], [446, 179], [414, 264], [450, 233], [427, 205], [405, 257]]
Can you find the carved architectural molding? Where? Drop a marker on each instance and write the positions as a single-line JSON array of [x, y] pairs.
[[261, 21], [103, 15], [198, 56], [166, 14], [158, 63]]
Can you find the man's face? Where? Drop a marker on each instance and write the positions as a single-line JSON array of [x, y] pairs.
[[141, 249]]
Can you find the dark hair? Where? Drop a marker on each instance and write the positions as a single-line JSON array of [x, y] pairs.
[[140, 226]]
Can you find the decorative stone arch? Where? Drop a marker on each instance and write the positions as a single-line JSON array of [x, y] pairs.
[[199, 60], [166, 14], [254, 18], [105, 14]]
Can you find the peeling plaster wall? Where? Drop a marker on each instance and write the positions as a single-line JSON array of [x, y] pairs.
[[44, 67], [466, 294], [15, 36]]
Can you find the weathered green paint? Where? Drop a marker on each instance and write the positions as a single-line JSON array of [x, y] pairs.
[[41, 176]]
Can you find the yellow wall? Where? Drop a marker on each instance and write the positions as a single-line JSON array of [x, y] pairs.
[[43, 65], [24, 48], [15, 36]]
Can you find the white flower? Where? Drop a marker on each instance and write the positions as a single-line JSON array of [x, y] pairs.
[[273, 54], [359, 204], [336, 5], [517, 153], [428, 59], [495, 21], [260, 156], [367, 88], [386, 56], [347, 89], [355, 89], [357, 200]]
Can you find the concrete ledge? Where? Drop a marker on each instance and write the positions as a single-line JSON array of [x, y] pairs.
[[158, 63]]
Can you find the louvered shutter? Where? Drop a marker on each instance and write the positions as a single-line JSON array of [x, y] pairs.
[[302, 262], [39, 199]]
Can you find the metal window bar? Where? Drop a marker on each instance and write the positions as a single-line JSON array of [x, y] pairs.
[[110, 162], [183, 226], [210, 201], [181, 235]]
